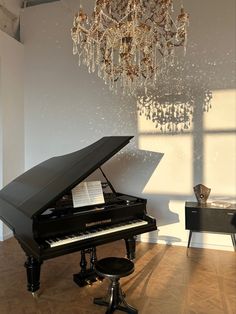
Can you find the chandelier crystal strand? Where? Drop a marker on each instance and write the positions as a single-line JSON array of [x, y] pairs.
[[126, 40]]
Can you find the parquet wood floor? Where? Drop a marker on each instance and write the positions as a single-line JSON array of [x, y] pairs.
[[165, 281]]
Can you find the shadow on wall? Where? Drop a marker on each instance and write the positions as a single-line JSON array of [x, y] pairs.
[[170, 105], [196, 154], [184, 90], [132, 170], [134, 167]]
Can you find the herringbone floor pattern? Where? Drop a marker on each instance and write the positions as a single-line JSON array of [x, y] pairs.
[[165, 281]]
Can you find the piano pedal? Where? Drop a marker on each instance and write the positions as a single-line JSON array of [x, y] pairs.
[[89, 283], [35, 295], [99, 279]]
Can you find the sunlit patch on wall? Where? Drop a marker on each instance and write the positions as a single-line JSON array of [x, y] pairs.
[[220, 143], [174, 173], [171, 128], [219, 163], [223, 113]]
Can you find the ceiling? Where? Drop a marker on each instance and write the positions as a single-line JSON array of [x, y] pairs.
[[29, 3], [10, 14]]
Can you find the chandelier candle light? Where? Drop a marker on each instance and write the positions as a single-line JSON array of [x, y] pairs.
[[126, 40]]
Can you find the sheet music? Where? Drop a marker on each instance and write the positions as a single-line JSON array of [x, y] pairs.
[[88, 193]]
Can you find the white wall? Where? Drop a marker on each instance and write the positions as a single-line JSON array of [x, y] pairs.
[[11, 113], [66, 109]]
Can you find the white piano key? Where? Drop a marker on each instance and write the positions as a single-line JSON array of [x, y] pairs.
[[88, 235]]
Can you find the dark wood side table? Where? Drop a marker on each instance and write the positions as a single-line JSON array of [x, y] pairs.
[[208, 218]]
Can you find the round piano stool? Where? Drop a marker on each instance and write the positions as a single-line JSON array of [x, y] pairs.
[[114, 268]]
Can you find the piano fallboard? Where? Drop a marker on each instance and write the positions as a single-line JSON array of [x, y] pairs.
[[47, 252], [72, 220]]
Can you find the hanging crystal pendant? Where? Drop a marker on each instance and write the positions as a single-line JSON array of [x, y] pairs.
[[125, 40]]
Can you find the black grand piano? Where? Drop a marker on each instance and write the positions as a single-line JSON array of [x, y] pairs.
[[37, 206]]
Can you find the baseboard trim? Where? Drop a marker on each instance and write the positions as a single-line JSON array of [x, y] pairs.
[[149, 239]]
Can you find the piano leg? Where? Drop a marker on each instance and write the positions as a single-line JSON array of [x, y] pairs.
[[130, 247], [33, 267]]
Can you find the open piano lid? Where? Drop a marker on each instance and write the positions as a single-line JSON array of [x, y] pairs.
[[35, 189]]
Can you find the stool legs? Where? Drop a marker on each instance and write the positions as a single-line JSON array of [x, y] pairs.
[[115, 300]]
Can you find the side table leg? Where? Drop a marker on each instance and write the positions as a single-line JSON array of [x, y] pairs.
[[233, 241], [189, 240]]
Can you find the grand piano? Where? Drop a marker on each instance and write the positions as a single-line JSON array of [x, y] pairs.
[[37, 206]]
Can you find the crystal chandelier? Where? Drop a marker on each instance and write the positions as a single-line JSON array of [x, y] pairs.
[[124, 40], [181, 88]]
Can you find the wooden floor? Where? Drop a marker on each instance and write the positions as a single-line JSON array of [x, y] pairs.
[[165, 281]]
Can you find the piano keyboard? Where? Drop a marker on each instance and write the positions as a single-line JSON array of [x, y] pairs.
[[96, 232]]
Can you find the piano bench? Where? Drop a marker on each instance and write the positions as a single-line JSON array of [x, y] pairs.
[[114, 268]]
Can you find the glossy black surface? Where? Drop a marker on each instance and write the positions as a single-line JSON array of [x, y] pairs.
[[37, 206], [114, 266], [210, 218], [33, 191]]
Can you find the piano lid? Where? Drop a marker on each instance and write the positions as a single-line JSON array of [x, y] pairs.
[[35, 189]]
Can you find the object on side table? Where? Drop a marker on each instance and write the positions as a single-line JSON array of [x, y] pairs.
[[220, 204], [202, 193]]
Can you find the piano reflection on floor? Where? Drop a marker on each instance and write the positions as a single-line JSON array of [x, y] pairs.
[[39, 207]]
